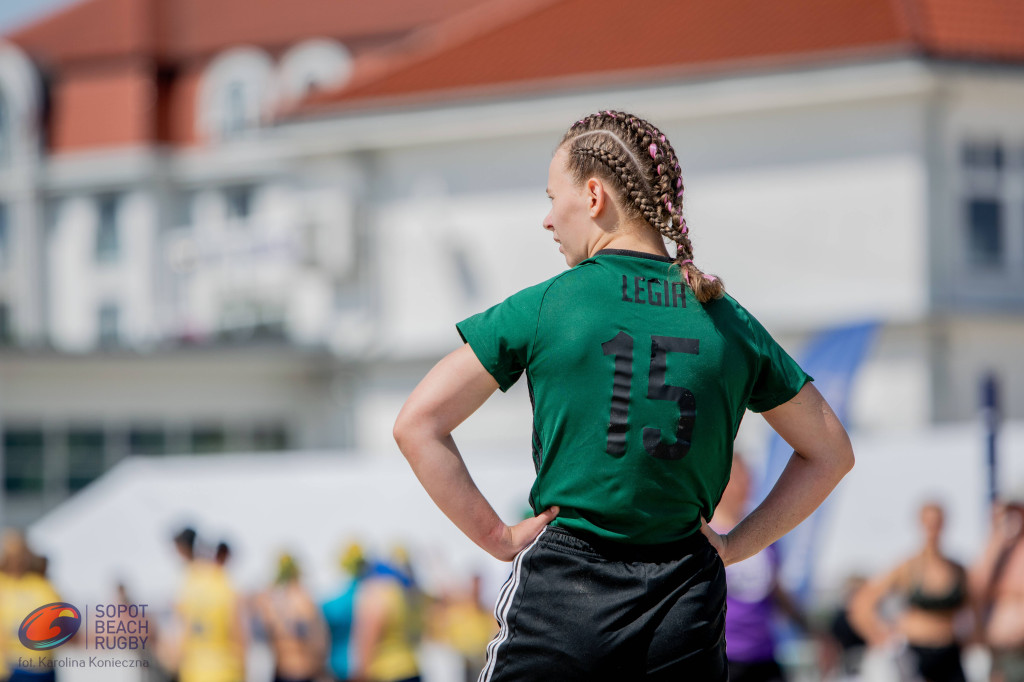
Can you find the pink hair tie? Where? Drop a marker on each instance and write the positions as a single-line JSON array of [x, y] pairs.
[[679, 181], [669, 204], [711, 278], [683, 229], [653, 149], [659, 169], [663, 139], [684, 262], [679, 193]]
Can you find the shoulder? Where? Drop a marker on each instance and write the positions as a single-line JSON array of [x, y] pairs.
[[733, 320], [573, 277], [727, 306]]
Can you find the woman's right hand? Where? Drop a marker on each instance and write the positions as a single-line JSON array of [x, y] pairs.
[[719, 542], [513, 539]]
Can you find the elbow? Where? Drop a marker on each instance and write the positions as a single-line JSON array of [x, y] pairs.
[[412, 429], [402, 432], [845, 459]]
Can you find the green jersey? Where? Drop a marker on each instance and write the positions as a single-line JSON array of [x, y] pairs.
[[638, 390]]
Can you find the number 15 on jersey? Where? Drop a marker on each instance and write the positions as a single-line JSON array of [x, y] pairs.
[[621, 347]]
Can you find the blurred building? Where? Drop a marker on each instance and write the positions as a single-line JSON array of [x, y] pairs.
[[250, 224], [169, 275], [847, 161]]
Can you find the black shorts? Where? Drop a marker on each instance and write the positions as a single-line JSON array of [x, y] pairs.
[[939, 663], [587, 609], [760, 671]]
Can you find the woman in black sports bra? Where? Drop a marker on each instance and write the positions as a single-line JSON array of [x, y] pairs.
[[934, 588]]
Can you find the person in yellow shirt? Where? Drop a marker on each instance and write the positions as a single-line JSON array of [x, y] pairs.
[[210, 616], [461, 622], [23, 589], [385, 629]]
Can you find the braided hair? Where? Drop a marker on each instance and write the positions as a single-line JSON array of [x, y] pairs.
[[636, 158]]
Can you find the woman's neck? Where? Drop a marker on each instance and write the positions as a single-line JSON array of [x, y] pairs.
[[644, 240]]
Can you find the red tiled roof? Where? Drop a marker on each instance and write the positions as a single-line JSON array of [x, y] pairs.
[[586, 39], [986, 29], [182, 29], [101, 51], [126, 72]]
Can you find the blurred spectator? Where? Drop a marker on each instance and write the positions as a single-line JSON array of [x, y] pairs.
[[997, 581], [461, 621], [339, 612], [934, 592], [754, 593], [222, 554], [294, 625], [387, 626], [23, 588], [213, 642], [843, 651]]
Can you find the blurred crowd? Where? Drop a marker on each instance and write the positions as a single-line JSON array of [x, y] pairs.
[[927, 618], [371, 629]]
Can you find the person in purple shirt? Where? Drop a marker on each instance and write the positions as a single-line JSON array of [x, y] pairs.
[[754, 593]]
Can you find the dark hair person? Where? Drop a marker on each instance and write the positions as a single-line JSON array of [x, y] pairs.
[[640, 369]]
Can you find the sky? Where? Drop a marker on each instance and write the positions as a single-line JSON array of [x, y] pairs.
[[15, 13]]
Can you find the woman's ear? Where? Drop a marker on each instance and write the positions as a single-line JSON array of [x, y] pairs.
[[596, 197]]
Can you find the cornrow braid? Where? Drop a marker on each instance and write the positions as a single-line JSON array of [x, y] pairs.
[[638, 160]]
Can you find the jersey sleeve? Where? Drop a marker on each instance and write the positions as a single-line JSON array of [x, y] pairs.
[[502, 336], [779, 377]]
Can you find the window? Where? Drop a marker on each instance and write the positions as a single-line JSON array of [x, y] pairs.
[[147, 441], [108, 326], [316, 64], [239, 202], [107, 239], [985, 237], [235, 119], [23, 460], [983, 156], [6, 336], [86, 450], [234, 93], [269, 438], [208, 439]]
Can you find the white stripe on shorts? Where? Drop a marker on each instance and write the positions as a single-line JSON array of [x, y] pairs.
[[505, 599]]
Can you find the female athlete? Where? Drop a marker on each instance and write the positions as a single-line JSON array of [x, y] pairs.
[[640, 369], [936, 594]]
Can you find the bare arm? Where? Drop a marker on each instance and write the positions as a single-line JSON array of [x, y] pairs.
[[455, 388], [864, 604], [823, 455]]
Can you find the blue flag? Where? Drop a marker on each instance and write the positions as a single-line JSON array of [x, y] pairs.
[[832, 358]]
